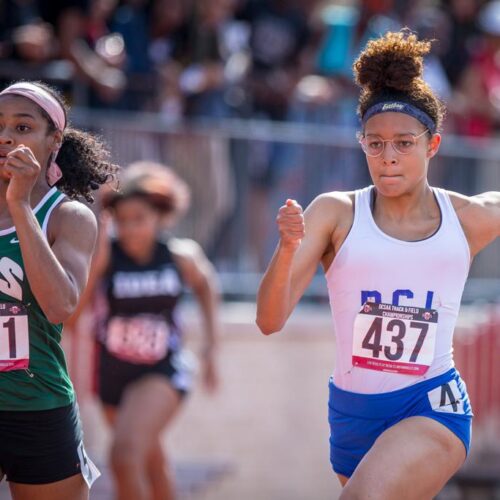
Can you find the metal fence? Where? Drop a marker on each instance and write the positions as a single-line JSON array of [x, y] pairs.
[[240, 172]]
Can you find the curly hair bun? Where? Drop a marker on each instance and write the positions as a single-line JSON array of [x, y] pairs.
[[392, 62]]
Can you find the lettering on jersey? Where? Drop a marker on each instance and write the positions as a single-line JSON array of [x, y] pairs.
[[428, 300], [9, 271], [376, 296], [146, 284], [401, 293], [371, 296]]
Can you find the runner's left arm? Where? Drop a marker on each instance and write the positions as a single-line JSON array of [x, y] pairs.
[[199, 275], [57, 272], [480, 218], [99, 264]]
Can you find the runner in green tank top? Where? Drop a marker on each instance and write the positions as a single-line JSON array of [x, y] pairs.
[[44, 364], [46, 244]]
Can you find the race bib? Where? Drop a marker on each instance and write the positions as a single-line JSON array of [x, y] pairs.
[[89, 470], [398, 339], [14, 337], [447, 398], [141, 339]]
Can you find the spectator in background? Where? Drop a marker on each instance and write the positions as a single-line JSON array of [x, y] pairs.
[[279, 35], [131, 22], [476, 105], [462, 38], [24, 34], [54, 31], [279, 38], [205, 45], [97, 23], [167, 17], [106, 80], [338, 45], [432, 23], [377, 17]]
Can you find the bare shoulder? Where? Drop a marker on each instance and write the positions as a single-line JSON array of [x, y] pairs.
[[185, 248], [472, 206], [337, 199], [74, 209], [458, 200], [334, 212], [479, 216], [335, 205], [330, 216], [74, 216], [193, 264]]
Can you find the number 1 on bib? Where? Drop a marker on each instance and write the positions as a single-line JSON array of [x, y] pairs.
[[14, 337]]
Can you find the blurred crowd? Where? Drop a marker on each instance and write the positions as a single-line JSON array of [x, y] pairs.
[[275, 59], [279, 60]]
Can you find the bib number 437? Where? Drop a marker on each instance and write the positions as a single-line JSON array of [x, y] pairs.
[[398, 339]]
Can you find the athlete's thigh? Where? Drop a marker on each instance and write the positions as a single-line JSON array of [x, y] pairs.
[[146, 408], [343, 479], [73, 488], [110, 413], [412, 460]]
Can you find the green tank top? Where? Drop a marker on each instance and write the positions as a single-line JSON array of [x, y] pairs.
[[33, 372]]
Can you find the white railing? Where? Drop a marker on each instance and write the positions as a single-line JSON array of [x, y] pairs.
[[235, 200]]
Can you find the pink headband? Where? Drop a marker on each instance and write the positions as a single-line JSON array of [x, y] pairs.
[[52, 107], [41, 97]]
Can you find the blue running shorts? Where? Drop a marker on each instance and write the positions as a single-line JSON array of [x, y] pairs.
[[357, 420]]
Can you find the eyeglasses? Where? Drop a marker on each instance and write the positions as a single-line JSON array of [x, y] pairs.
[[374, 146]]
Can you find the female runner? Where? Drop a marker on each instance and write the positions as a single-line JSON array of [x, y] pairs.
[[396, 257], [143, 372], [46, 243]]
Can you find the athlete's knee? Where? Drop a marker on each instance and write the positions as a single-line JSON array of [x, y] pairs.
[[353, 490], [126, 456], [157, 457], [350, 494]]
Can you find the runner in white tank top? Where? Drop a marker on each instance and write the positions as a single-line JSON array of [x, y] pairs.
[[396, 256], [429, 273]]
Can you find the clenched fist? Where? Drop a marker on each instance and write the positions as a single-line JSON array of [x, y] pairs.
[[291, 225], [22, 169]]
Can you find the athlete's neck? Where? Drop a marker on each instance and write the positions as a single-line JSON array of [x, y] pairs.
[[38, 192], [420, 202], [142, 254]]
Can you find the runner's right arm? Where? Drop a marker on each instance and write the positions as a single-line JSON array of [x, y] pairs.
[[304, 239]]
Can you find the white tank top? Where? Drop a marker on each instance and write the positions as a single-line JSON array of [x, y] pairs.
[[372, 266]]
